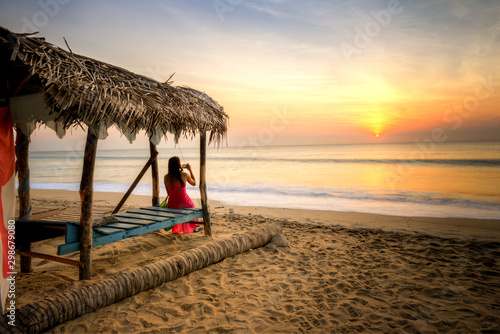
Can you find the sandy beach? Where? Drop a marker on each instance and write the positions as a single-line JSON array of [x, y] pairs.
[[348, 153], [342, 273]]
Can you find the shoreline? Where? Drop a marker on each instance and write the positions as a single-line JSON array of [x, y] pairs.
[[412, 207], [461, 228]]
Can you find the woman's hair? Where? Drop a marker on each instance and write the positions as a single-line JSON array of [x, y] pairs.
[[174, 169]]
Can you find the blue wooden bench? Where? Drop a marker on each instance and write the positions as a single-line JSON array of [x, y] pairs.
[[131, 223]]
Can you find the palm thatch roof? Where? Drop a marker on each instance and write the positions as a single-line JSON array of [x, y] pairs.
[[78, 89]]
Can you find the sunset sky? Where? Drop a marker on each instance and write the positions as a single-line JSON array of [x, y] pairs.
[[299, 71]]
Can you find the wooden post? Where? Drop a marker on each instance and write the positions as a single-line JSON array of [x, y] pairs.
[[86, 196], [23, 191], [136, 181], [203, 183], [155, 174]]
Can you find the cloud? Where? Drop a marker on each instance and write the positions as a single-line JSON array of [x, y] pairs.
[[267, 54]]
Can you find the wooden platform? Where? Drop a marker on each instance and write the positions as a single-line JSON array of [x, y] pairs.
[[53, 212], [131, 223]]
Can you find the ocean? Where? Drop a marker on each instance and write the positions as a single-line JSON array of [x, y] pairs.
[[455, 179]]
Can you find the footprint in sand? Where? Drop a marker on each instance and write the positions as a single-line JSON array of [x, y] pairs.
[[343, 287], [350, 310]]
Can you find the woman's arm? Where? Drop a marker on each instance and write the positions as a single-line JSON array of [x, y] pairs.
[[166, 180], [190, 177]]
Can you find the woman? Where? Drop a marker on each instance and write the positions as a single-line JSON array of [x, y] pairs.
[[175, 182]]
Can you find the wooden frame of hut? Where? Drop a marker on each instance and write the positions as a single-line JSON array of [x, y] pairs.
[[61, 89]]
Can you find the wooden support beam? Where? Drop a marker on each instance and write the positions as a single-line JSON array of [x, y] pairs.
[[203, 183], [155, 174], [23, 191], [86, 197], [136, 181], [51, 258]]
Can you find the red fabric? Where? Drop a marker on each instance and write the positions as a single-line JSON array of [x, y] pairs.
[[7, 168], [7, 151], [179, 199]]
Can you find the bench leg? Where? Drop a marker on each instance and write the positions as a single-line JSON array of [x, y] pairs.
[[25, 260]]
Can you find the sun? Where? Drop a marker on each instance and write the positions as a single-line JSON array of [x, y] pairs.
[[377, 135]]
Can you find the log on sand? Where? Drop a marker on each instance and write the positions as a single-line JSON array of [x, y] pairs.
[[48, 313]]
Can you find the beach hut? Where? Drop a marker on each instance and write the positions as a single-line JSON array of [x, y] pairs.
[[61, 89]]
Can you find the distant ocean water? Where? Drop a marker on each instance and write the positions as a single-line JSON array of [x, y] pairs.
[[426, 180]]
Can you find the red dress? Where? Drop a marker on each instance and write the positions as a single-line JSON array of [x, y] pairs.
[[179, 199]]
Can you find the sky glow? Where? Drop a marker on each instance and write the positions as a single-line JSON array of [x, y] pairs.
[[309, 72]]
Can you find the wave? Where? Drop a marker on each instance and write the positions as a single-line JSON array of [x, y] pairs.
[[399, 203], [228, 160], [359, 195], [55, 185], [396, 203], [57, 168], [450, 162]]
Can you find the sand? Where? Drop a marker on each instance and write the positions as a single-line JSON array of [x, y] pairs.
[[342, 273]]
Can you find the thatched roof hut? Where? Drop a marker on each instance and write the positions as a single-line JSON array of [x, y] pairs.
[[46, 84], [77, 89]]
